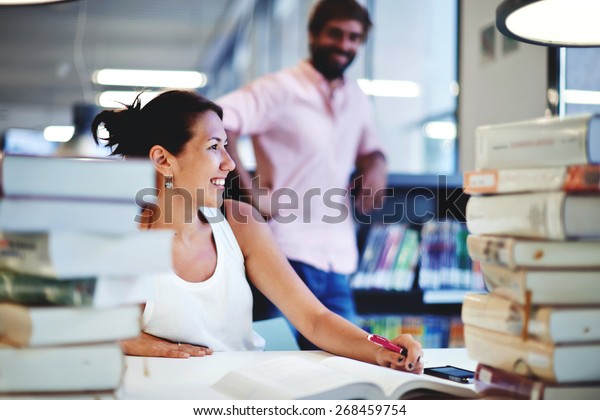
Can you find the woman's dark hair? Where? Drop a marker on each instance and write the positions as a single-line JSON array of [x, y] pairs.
[[327, 10], [166, 121]]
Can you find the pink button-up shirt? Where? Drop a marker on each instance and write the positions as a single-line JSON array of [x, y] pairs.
[[306, 139]]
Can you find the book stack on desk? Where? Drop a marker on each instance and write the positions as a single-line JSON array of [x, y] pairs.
[[534, 224], [73, 269]]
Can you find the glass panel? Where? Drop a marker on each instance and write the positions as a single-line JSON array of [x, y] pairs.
[[417, 42], [413, 45], [581, 92]]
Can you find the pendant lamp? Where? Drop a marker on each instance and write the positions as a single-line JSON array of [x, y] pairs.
[[553, 23]]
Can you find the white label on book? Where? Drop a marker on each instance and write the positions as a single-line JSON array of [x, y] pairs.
[[481, 180], [538, 359], [485, 376]]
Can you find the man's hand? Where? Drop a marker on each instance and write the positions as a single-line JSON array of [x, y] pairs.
[[151, 346], [371, 182]]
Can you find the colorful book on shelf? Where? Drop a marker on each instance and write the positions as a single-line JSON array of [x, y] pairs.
[[76, 368], [539, 142], [521, 252], [22, 326], [572, 178], [383, 274], [540, 215], [543, 287], [432, 331], [18, 214], [66, 254], [76, 178], [93, 292], [556, 324], [405, 266], [497, 383], [337, 378], [444, 259], [369, 257], [564, 363]]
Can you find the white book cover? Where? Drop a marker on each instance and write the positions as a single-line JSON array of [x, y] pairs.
[[36, 215], [91, 367], [22, 326], [541, 215], [538, 142], [75, 254], [77, 178]]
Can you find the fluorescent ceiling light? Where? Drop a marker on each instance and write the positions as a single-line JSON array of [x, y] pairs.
[[59, 133], [118, 98], [440, 130], [150, 78], [389, 88], [567, 23], [583, 97]]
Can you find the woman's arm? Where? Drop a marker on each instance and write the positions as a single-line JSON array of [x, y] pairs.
[[152, 346], [268, 269]]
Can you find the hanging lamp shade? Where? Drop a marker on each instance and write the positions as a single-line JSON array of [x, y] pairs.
[[554, 23]]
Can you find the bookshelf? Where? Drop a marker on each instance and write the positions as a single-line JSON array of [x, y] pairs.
[[431, 314]]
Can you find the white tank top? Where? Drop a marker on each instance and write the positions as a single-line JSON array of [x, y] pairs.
[[217, 312]]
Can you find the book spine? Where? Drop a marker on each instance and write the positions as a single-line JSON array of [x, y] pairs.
[[583, 178], [492, 382], [492, 250], [493, 312], [533, 215], [533, 143], [575, 178], [511, 353], [515, 180], [33, 290], [504, 282]]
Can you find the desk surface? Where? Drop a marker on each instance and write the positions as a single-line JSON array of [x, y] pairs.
[[191, 379]]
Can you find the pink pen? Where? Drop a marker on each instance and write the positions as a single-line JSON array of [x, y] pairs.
[[384, 342]]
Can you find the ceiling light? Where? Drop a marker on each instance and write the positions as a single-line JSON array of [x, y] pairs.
[[440, 130], [389, 88], [59, 133], [150, 78], [557, 23], [119, 98]]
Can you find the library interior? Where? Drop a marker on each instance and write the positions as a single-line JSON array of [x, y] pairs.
[[428, 171]]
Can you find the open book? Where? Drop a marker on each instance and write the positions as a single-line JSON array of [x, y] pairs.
[[336, 378]]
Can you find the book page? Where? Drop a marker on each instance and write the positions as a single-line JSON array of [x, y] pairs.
[[395, 384], [293, 377]]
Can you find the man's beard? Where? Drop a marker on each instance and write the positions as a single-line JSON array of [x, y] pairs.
[[322, 61]]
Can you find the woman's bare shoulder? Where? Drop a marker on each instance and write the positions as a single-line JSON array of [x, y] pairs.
[[243, 216], [247, 224]]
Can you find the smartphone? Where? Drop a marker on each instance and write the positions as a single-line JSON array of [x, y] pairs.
[[451, 373]]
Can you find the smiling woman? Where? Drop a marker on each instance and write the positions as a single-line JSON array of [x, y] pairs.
[[205, 304]]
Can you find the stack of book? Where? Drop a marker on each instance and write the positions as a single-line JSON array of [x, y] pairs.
[[73, 269], [534, 223]]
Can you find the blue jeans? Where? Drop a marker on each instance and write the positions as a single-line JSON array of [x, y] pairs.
[[332, 289]]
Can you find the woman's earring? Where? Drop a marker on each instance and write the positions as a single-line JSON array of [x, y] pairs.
[[169, 182]]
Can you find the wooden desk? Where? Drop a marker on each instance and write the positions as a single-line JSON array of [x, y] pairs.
[[191, 379]]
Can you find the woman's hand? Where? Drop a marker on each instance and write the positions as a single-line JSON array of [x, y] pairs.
[[412, 363], [151, 346]]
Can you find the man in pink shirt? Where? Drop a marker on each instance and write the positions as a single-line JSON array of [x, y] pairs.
[[311, 129]]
